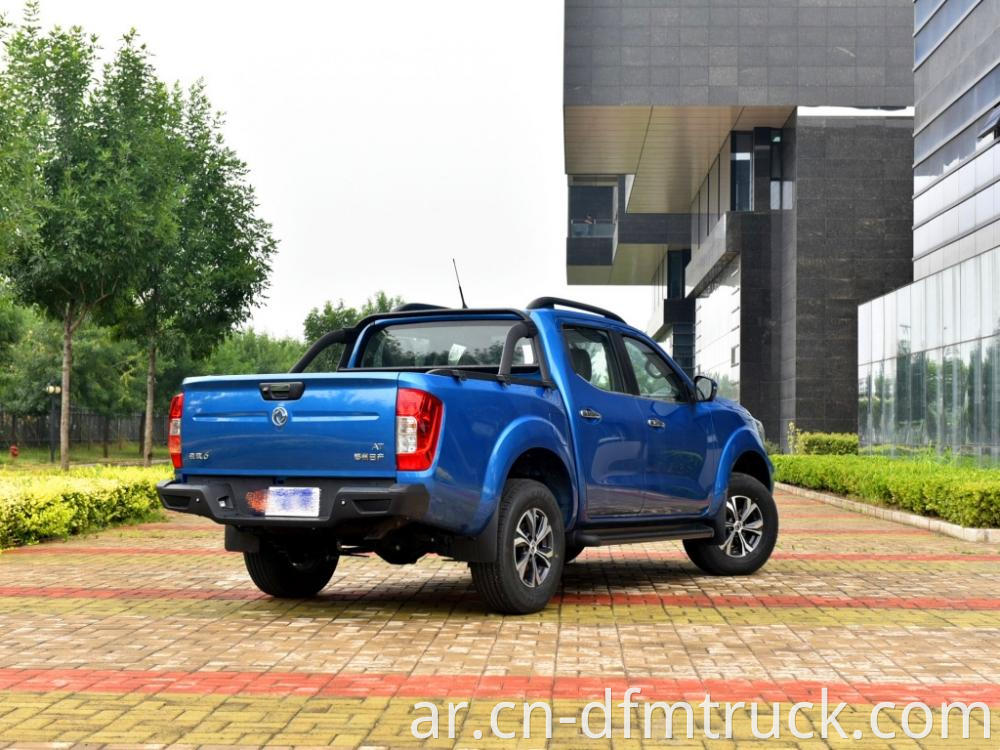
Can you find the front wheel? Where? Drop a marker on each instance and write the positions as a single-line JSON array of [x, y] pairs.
[[277, 573], [751, 530], [530, 551]]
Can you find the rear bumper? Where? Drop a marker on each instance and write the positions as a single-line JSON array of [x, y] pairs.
[[219, 502]]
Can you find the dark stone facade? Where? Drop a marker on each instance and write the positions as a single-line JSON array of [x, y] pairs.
[[844, 238], [729, 53]]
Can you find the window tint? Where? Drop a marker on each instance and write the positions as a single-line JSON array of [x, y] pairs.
[[592, 357], [655, 377], [445, 344]]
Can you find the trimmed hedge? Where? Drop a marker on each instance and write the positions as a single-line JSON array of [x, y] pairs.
[[827, 443], [966, 496], [37, 505]]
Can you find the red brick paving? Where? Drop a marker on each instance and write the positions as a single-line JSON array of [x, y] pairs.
[[96, 628]]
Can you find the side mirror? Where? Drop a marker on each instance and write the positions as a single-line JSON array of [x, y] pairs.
[[705, 388]]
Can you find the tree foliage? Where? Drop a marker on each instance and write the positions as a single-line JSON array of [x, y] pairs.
[[103, 201], [330, 317], [196, 283], [20, 174], [107, 371], [143, 219], [251, 353]]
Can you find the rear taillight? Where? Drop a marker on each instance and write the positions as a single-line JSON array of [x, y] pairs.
[[418, 425], [174, 430]]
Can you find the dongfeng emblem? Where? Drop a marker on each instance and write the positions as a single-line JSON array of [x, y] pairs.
[[279, 416]]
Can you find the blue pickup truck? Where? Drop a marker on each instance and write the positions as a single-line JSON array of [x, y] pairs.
[[508, 439]]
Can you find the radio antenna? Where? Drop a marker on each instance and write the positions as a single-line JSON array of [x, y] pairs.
[[459, 282]]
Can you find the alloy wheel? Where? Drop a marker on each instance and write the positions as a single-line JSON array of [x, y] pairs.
[[533, 547], [744, 526]]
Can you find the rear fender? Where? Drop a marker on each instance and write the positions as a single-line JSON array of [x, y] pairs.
[[520, 436]]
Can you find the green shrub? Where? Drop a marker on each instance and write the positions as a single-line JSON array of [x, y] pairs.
[[36, 505], [827, 443], [962, 495]]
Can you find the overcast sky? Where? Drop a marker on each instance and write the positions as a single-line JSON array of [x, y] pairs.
[[383, 138]]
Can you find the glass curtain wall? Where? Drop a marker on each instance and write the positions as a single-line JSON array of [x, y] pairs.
[[929, 364], [717, 335]]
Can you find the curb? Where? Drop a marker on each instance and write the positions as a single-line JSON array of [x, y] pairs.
[[989, 536]]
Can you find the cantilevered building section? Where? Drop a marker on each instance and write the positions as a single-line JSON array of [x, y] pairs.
[[929, 353], [751, 166]]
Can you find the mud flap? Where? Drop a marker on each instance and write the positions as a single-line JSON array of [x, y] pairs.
[[241, 541], [480, 548], [719, 522]]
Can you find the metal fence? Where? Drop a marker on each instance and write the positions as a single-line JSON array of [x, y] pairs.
[[85, 428]]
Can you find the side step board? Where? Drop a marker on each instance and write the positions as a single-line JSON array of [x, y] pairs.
[[598, 537]]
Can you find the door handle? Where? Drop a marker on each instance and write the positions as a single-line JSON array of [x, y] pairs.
[[590, 414], [656, 424]]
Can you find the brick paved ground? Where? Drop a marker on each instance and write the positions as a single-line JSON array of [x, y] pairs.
[[154, 636]]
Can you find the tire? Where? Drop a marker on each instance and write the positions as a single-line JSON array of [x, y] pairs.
[[745, 550], [274, 573], [573, 551], [504, 584]]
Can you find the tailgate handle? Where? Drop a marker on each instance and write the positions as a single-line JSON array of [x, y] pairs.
[[282, 391]]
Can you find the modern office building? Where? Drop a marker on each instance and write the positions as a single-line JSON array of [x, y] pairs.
[[929, 353], [750, 163]]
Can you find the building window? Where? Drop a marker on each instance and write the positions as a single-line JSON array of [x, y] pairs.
[[741, 166], [940, 25], [990, 130], [591, 211], [961, 115], [776, 170]]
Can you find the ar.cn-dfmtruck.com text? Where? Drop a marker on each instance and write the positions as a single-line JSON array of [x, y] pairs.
[[635, 715]]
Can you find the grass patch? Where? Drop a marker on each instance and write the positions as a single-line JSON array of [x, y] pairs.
[[38, 505], [966, 496], [38, 456]]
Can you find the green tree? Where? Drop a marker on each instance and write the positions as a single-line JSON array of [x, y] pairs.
[[33, 363], [20, 176], [251, 353], [103, 201], [330, 317], [199, 282], [12, 322], [105, 369]]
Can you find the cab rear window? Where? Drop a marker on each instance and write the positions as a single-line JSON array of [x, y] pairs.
[[468, 343]]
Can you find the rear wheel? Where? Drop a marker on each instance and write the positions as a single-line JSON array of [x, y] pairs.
[[751, 530], [530, 551], [281, 575]]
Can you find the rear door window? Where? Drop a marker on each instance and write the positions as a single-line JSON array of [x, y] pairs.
[[592, 357]]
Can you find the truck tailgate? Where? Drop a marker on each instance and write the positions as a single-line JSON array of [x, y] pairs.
[[342, 425]]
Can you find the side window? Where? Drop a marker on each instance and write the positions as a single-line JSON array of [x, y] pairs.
[[592, 357], [656, 379]]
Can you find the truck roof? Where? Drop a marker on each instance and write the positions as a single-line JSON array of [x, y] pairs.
[[540, 303]]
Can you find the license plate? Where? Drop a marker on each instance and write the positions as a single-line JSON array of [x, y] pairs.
[[292, 502]]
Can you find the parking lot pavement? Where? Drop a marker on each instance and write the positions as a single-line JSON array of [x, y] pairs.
[[152, 635]]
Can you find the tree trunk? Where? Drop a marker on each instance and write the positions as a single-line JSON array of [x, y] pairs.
[[67, 365], [147, 458], [106, 433]]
